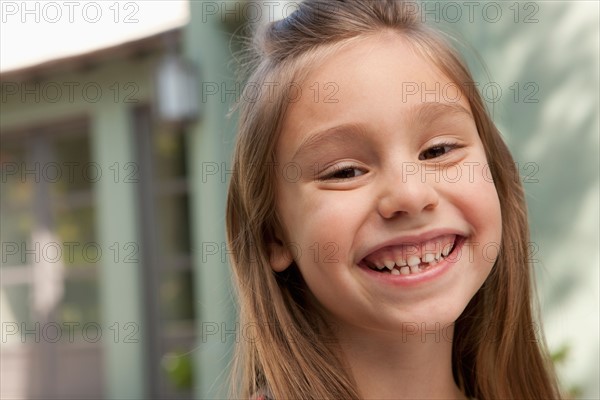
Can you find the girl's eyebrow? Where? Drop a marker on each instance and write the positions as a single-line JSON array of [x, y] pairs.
[[335, 135], [427, 112], [423, 115]]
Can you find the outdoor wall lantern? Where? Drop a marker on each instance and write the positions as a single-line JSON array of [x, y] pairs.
[[176, 89]]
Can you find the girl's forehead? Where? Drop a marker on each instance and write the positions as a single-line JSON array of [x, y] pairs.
[[377, 80], [363, 55]]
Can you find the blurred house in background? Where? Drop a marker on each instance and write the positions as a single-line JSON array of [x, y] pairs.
[[108, 182], [97, 267], [114, 277]]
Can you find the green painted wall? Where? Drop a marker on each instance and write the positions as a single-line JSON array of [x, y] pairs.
[[206, 43]]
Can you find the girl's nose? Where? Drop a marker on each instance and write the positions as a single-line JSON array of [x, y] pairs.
[[408, 194]]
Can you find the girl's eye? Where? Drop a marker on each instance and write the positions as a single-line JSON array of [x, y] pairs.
[[344, 173], [437, 150]]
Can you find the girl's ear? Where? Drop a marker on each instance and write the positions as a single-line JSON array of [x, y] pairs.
[[279, 256]]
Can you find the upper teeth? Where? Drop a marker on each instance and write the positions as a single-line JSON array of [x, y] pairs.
[[409, 263], [427, 258], [447, 249], [413, 261]]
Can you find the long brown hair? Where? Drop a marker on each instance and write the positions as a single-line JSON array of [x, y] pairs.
[[498, 352]]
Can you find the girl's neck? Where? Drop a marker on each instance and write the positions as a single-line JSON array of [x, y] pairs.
[[415, 366]]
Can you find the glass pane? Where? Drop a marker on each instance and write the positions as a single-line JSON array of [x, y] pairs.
[[16, 202], [176, 295], [15, 301], [16, 228], [173, 219], [18, 176], [169, 155], [75, 230], [80, 304], [72, 169]]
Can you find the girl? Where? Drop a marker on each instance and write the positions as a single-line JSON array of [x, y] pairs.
[[378, 233]]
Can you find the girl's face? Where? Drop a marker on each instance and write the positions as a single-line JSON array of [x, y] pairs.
[[380, 164]]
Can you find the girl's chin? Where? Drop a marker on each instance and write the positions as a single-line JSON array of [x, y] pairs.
[[426, 322]]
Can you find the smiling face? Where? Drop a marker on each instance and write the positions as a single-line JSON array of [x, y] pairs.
[[362, 178]]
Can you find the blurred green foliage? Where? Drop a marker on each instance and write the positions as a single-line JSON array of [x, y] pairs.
[[559, 356], [179, 369]]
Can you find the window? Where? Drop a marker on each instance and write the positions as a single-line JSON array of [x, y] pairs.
[[166, 260], [49, 268]]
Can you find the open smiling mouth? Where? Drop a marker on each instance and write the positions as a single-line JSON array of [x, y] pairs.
[[412, 258]]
